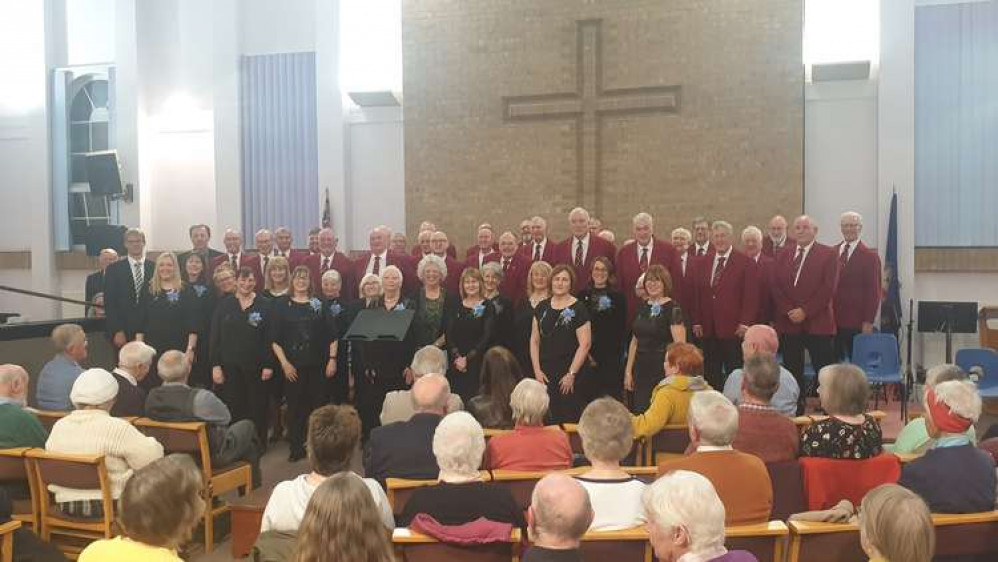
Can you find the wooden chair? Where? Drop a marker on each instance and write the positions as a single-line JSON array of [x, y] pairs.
[[399, 490], [15, 470], [192, 438], [411, 546], [81, 472], [787, 478], [49, 417], [767, 541], [802, 422], [628, 545], [824, 542], [646, 474], [7, 540], [246, 516], [520, 484], [971, 536], [669, 443]]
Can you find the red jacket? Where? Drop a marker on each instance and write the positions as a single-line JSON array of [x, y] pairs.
[[340, 263], [548, 255], [514, 278], [629, 270], [417, 252], [251, 261], [857, 297], [564, 253], [409, 281], [471, 260], [769, 251], [813, 292], [734, 300]]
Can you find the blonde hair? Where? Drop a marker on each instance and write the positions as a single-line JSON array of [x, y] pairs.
[[342, 523], [542, 266], [472, 273], [272, 264], [155, 284], [896, 523]]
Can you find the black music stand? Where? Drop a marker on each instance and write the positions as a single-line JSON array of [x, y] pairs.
[[380, 325], [949, 318]]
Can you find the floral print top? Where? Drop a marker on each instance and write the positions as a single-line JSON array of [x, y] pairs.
[[833, 438]]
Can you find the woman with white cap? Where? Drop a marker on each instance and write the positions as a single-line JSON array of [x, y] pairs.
[[90, 430]]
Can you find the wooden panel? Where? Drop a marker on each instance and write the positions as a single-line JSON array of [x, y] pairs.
[[15, 260], [956, 259]]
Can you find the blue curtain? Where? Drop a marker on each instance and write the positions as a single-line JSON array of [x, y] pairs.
[[956, 124], [280, 159]]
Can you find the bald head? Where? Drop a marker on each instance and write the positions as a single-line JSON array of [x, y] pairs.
[[805, 230], [430, 394], [14, 383], [760, 339], [560, 512]]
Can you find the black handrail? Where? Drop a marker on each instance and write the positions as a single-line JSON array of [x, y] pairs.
[[49, 297]]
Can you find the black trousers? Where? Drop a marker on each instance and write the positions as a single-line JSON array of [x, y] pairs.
[[246, 394], [308, 392], [822, 351], [720, 357], [843, 344]]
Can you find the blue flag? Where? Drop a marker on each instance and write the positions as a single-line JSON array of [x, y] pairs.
[[890, 308]]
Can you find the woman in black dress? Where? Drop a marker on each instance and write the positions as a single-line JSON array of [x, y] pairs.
[[493, 277], [276, 284], [538, 290], [559, 345], [433, 304], [469, 335], [338, 314], [204, 305], [241, 357], [276, 278], [169, 318], [658, 323], [608, 311], [299, 345]]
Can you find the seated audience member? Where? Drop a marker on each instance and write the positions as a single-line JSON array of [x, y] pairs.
[[848, 432], [333, 437], [607, 437], [558, 516], [175, 401], [895, 526], [761, 341], [500, 373], [342, 523], [134, 362], [159, 509], [404, 449], [740, 479], [670, 400], [91, 430], [686, 520], [953, 476], [18, 427], [461, 496], [27, 546], [398, 405], [58, 375], [531, 445], [763, 431], [914, 437]]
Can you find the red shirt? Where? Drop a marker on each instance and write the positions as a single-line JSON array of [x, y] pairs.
[[530, 448]]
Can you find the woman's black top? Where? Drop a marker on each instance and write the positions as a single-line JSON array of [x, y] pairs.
[[653, 326], [504, 319], [241, 337], [432, 316], [490, 413], [299, 328], [169, 318], [471, 330], [558, 340], [337, 316], [456, 504], [523, 324], [608, 313], [204, 304], [382, 362]]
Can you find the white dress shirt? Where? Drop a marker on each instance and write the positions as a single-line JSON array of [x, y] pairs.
[[698, 247], [370, 263], [807, 250], [649, 246], [576, 242], [852, 248]]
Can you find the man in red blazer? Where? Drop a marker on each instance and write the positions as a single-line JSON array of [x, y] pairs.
[[440, 243], [285, 243], [635, 257], [582, 248], [480, 254], [857, 297], [681, 239], [778, 238], [235, 257], [752, 248], [540, 247], [419, 250], [328, 258], [803, 288], [725, 303], [514, 267], [377, 257], [701, 238]]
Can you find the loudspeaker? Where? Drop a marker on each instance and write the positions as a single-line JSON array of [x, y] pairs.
[[100, 236], [103, 173]]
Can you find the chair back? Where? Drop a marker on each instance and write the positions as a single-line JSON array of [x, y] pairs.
[[646, 474], [411, 546], [519, 483], [824, 542], [827, 481], [767, 541], [877, 354], [673, 440], [49, 417], [180, 437], [7, 540], [83, 472], [15, 472], [629, 545], [966, 537], [13, 467], [986, 359], [399, 490], [788, 488]]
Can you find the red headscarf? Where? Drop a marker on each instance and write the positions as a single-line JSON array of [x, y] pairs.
[[943, 418]]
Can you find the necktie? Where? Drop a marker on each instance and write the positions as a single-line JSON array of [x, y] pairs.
[[234, 262], [798, 261], [699, 252], [578, 254], [537, 252], [138, 276], [844, 256], [325, 263], [717, 272], [505, 264], [266, 260], [643, 262], [377, 266]]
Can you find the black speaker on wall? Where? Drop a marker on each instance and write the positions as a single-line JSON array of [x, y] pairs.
[[100, 236], [104, 174]]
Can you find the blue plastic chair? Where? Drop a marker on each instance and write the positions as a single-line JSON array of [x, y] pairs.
[[879, 357], [985, 358]]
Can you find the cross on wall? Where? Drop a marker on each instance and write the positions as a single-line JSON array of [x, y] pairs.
[[588, 106]]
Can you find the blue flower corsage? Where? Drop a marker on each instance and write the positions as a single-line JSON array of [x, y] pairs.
[[656, 310], [478, 310], [200, 290], [565, 319], [255, 318], [316, 305], [604, 303], [173, 296], [335, 309], [400, 306]]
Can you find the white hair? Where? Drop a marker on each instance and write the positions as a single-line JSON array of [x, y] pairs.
[[684, 232], [607, 235], [579, 211], [429, 359], [715, 418], [494, 268], [136, 354], [392, 268], [334, 275], [539, 220], [642, 218], [944, 372], [752, 232], [173, 366], [431, 260], [10, 373], [529, 401], [458, 444], [686, 499], [851, 215], [722, 225], [961, 397]]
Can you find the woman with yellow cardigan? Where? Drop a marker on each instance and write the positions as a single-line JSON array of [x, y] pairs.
[[670, 400]]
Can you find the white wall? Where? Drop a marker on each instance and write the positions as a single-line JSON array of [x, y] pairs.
[[376, 178], [288, 26], [90, 31]]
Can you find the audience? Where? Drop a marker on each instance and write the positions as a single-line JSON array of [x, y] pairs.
[[500, 373], [670, 400], [558, 516], [398, 405], [18, 427], [461, 497], [333, 438], [764, 431], [848, 432], [342, 524], [895, 526], [58, 375], [914, 437], [761, 340], [954, 476], [741, 480], [686, 520], [175, 401], [91, 430], [159, 509], [404, 449], [134, 362], [531, 445], [607, 437]]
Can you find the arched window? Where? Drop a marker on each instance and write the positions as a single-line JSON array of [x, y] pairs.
[[89, 131]]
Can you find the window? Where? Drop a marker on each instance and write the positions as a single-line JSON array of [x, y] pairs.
[[89, 131], [841, 31], [371, 45]]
